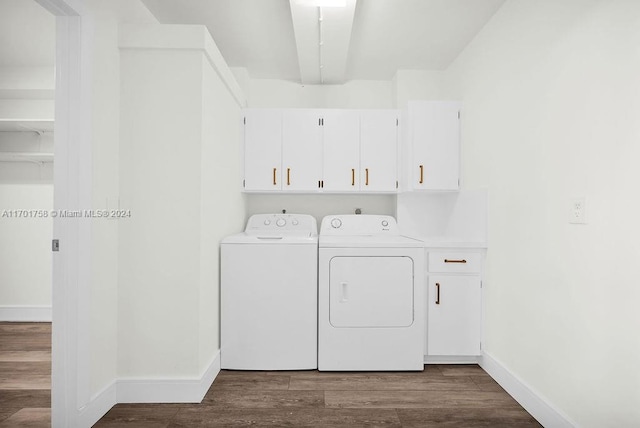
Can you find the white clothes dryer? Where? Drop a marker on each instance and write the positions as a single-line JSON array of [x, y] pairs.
[[371, 295], [269, 289]]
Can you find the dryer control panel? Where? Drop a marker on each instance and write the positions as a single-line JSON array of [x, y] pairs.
[[282, 224], [359, 225]]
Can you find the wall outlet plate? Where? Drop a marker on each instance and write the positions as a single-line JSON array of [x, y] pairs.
[[578, 211]]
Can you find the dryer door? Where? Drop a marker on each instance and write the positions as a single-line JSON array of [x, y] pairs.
[[371, 291]]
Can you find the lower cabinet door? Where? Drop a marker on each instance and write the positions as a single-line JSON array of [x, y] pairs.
[[454, 315]]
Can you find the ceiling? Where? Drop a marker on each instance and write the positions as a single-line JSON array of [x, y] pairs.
[[369, 39], [27, 32]]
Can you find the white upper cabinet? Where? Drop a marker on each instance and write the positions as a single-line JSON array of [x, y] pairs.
[[311, 150], [434, 134], [378, 150], [360, 150], [301, 150], [262, 150], [341, 152]]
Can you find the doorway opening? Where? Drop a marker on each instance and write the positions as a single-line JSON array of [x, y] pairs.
[[27, 107]]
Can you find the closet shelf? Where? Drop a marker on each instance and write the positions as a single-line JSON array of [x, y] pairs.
[[26, 157], [26, 125]]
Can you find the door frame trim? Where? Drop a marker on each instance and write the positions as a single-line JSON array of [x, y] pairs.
[[70, 377]]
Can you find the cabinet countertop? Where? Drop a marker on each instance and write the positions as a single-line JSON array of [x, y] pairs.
[[444, 242]]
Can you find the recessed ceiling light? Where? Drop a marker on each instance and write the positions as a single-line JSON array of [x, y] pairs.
[[322, 3]]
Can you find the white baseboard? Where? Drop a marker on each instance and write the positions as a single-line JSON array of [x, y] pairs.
[[148, 391], [533, 402], [168, 390], [17, 313], [99, 405], [439, 359]]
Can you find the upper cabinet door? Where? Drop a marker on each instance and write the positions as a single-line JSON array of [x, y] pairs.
[[301, 150], [378, 150], [435, 142], [262, 149], [341, 151]]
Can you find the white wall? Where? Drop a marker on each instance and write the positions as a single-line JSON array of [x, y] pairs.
[[272, 93], [25, 253], [105, 126], [358, 94], [222, 205], [321, 205], [418, 85], [179, 151], [551, 99], [160, 184]]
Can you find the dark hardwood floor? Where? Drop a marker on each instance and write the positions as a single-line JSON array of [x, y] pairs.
[[441, 396], [25, 374]]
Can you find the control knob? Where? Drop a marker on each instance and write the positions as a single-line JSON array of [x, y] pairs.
[[281, 222], [336, 223]]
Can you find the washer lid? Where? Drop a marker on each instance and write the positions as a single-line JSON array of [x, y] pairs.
[[371, 241], [277, 229]]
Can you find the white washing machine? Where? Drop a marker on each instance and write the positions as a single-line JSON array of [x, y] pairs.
[[371, 295], [269, 294]]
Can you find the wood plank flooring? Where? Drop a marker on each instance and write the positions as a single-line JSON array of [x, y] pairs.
[[441, 396], [25, 374]]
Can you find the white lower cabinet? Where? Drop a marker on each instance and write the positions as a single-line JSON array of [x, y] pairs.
[[453, 326], [454, 306]]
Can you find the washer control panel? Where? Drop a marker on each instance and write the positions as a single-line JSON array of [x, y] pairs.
[[285, 224], [359, 225]]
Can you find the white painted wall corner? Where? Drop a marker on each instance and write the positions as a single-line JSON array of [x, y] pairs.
[[98, 406], [178, 390], [534, 403]]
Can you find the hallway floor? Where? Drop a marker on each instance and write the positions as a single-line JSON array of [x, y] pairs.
[[441, 396], [453, 396], [25, 374]]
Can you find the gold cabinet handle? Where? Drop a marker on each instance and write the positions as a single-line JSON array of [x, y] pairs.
[[288, 176], [366, 174], [421, 174], [437, 293], [274, 176], [353, 177], [455, 261]]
